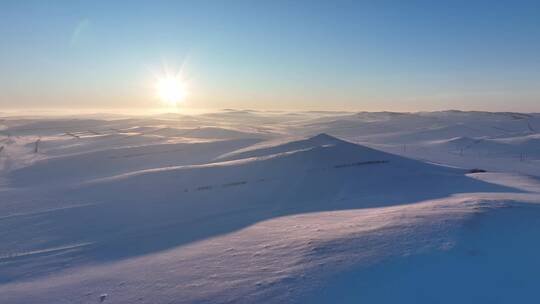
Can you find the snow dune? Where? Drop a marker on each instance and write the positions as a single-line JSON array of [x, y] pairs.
[[376, 254]]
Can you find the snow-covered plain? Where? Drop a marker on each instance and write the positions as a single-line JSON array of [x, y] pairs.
[[270, 207]]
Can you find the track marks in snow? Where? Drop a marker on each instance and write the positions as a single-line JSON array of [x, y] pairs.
[[6, 257], [41, 212]]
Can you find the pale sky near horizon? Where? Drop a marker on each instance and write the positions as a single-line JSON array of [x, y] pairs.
[[305, 55]]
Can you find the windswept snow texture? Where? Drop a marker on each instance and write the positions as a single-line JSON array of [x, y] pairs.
[[244, 206]]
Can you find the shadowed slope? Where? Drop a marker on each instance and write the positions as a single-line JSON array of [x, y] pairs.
[[152, 210]]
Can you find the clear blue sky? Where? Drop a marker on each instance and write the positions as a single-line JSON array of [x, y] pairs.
[[353, 55]]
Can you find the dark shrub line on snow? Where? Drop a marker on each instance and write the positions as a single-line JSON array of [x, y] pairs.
[[244, 182]]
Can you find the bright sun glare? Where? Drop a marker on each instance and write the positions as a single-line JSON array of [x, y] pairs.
[[171, 90]]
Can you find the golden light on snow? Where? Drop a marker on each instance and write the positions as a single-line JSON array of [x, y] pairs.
[[171, 90]]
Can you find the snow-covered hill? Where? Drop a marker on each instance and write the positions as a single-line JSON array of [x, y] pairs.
[[209, 209]]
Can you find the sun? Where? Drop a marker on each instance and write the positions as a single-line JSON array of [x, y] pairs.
[[171, 90]]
